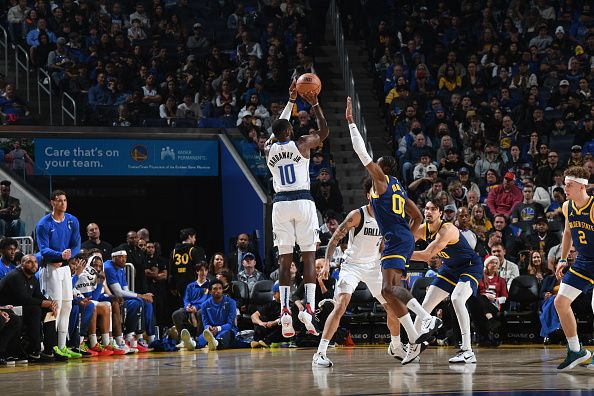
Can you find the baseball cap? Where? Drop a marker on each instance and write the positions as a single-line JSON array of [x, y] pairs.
[[276, 287], [576, 147], [541, 220], [197, 25], [463, 170], [61, 40], [327, 170], [450, 207], [563, 82], [511, 176], [560, 30], [249, 256], [527, 165], [431, 168]]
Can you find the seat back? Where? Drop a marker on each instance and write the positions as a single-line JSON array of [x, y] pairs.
[[524, 289], [261, 293], [243, 291], [361, 295]]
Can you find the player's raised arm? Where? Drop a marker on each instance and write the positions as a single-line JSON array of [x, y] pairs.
[[377, 175], [285, 114], [446, 234], [352, 220], [314, 139]]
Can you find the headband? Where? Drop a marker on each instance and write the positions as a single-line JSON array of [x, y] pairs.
[[119, 253], [577, 180]]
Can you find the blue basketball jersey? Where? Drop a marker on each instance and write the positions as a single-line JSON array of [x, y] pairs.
[[456, 254], [581, 224], [389, 210]]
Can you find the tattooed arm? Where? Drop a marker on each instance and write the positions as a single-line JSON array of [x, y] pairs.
[[352, 220]]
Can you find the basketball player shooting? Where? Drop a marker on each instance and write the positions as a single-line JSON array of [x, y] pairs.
[[294, 218]]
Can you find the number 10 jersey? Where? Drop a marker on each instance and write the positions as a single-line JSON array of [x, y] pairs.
[[290, 170]]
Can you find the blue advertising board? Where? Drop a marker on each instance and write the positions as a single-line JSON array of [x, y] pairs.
[[126, 157]]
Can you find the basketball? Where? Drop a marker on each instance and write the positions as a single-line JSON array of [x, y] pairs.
[[309, 82]]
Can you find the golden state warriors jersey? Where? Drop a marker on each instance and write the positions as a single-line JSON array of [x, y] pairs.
[[581, 224], [455, 254], [389, 209]]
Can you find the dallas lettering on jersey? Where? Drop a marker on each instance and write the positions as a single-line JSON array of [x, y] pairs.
[[581, 224], [283, 155], [371, 231]]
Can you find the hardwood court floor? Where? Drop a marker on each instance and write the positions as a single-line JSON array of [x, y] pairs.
[[359, 370]]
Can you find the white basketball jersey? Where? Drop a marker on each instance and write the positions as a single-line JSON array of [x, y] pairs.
[[290, 170], [364, 241]]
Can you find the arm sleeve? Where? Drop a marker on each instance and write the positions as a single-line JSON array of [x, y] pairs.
[[359, 145], [118, 291], [230, 320], [287, 111]]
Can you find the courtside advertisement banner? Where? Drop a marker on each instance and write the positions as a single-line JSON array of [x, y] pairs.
[[126, 157]]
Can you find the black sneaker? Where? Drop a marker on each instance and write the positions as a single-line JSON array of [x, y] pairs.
[[33, 357], [46, 358], [5, 362], [84, 354]]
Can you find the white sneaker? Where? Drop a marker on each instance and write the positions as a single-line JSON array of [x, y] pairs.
[[210, 338], [464, 357], [287, 323], [305, 318], [398, 352], [180, 345], [187, 340], [428, 327], [413, 351], [320, 360]]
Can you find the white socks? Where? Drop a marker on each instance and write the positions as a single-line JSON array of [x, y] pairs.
[[395, 340], [285, 292], [323, 346], [573, 343], [407, 323], [120, 340], [62, 339], [418, 309], [310, 295], [93, 340], [105, 338], [151, 339]]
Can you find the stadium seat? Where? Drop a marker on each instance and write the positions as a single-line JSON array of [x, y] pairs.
[[241, 288], [360, 306], [520, 312]]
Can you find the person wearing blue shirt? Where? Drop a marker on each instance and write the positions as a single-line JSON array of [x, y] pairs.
[[33, 35], [218, 318], [136, 305], [196, 294], [58, 239], [8, 248]]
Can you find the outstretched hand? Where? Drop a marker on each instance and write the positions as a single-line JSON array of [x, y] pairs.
[[349, 110], [293, 90]]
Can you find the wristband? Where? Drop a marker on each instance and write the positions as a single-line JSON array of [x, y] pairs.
[[292, 100], [563, 261], [317, 104]]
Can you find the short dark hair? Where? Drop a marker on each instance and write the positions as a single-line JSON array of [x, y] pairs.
[[367, 184], [56, 193], [280, 125], [6, 183], [6, 242], [186, 233], [437, 204], [215, 282], [201, 264]]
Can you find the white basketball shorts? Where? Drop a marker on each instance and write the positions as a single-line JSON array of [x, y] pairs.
[[295, 222], [351, 274], [56, 282]]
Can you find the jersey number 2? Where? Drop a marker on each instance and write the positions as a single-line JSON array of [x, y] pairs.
[[287, 174], [398, 203], [582, 237]]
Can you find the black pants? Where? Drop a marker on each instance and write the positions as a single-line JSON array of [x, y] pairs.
[[181, 320], [32, 328], [479, 306], [10, 335], [268, 335]]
